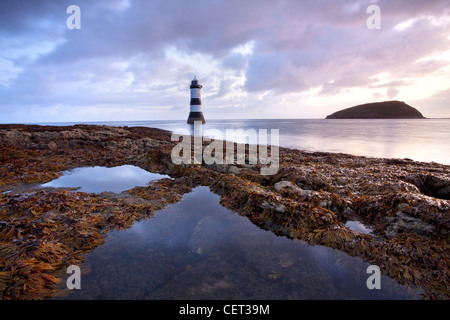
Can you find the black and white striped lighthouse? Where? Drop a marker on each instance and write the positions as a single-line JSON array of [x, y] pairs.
[[196, 113]]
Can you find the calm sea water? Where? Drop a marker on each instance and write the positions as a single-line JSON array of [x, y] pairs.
[[417, 139]]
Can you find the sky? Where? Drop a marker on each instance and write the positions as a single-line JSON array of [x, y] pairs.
[[134, 59]]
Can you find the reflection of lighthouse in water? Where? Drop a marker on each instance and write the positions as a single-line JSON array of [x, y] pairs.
[[196, 113]]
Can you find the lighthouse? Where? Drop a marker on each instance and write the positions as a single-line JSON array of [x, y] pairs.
[[196, 113]]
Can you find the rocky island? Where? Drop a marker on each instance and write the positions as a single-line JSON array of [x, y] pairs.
[[378, 110], [311, 197]]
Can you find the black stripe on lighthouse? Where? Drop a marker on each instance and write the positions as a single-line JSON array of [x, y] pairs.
[[196, 101]]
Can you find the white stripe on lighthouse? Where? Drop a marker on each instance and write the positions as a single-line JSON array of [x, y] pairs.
[[195, 93], [196, 108]]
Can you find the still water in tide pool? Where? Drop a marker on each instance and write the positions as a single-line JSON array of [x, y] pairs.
[[99, 179], [197, 249]]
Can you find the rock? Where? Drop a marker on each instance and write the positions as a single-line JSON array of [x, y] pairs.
[[304, 186], [265, 205], [405, 223], [52, 145], [234, 169], [285, 184], [223, 168], [247, 166], [292, 187], [348, 211], [433, 185], [326, 204]]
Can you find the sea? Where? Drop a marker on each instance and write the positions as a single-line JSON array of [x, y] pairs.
[[426, 140]]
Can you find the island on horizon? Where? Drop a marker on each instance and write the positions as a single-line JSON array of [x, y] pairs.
[[379, 110]]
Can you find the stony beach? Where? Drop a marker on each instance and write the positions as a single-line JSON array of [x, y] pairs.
[[311, 197]]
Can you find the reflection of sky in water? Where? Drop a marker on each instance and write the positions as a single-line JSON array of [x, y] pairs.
[[99, 179], [358, 227], [197, 249]]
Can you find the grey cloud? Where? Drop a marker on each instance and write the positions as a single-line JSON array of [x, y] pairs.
[[341, 53], [435, 106], [392, 93], [225, 87], [298, 45], [18, 16], [336, 86]]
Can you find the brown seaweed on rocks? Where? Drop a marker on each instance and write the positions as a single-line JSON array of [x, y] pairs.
[[311, 197]]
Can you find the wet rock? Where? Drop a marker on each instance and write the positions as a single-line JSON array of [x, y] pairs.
[[223, 168], [348, 211], [114, 138], [304, 186], [434, 185], [405, 223], [247, 166], [271, 206], [234, 169], [52, 145], [325, 204], [279, 186], [285, 184]]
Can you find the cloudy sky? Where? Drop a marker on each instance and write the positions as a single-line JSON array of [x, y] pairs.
[[134, 59]]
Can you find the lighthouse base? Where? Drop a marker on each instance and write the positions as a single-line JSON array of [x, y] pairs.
[[195, 116]]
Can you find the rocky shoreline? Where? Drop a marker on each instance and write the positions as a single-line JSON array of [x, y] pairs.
[[311, 197]]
